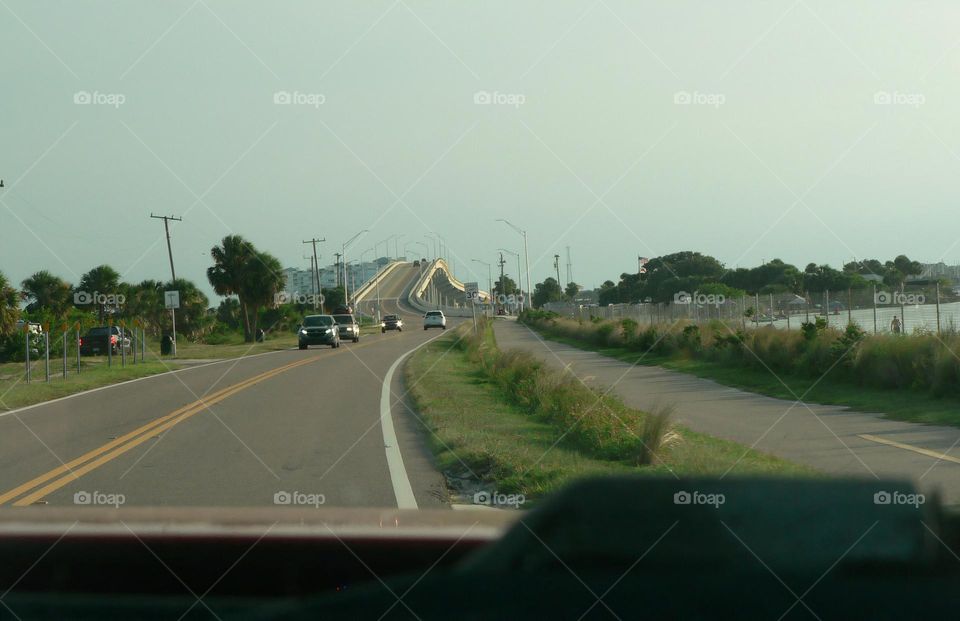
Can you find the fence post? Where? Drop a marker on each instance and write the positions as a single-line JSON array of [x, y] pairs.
[[46, 355], [874, 308], [756, 309], [123, 349], [109, 344], [938, 308], [849, 306], [26, 339], [903, 316], [806, 306], [78, 348], [743, 312], [65, 351], [826, 305]]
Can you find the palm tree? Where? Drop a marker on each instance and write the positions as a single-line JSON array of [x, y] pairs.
[[103, 280], [254, 277], [46, 291], [9, 306]]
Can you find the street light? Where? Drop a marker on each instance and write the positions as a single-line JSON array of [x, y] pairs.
[[519, 275], [526, 255], [436, 254], [489, 280], [343, 258]]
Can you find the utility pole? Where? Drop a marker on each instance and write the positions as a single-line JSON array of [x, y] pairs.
[[166, 228], [501, 263], [316, 268], [556, 266], [569, 267], [173, 274], [337, 265]]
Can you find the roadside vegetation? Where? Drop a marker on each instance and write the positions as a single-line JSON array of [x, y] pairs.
[[502, 420], [914, 378]]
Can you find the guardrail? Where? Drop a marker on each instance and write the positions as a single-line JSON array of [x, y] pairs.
[[415, 296], [372, 283]]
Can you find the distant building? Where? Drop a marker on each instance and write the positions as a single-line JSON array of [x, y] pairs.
[[933, 271]]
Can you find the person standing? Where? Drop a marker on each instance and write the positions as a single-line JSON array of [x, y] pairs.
[[895, 325]]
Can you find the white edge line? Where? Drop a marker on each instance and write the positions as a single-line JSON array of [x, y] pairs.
[[398, 474], [139, 379]]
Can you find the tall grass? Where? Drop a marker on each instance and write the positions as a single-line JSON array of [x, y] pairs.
[[922, 362], [597, 423]]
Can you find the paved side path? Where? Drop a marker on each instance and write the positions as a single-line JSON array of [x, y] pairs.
[[828, 438]]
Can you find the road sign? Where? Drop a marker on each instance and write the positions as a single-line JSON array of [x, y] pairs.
[[171, 299], [472, 290]]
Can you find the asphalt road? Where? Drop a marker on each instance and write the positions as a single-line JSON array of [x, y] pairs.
[[300, 425], [831, 439]]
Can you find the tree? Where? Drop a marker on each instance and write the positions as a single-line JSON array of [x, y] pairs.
[[608, 293], [45, 291], [9, 306], [99, 282], [572, 290], [547, 291], [228, 313], [254, 277], [505, 286]]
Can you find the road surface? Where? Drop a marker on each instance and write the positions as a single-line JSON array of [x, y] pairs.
[[831, 439], [304, 426]]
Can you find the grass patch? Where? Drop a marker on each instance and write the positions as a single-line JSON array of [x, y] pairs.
[[486, 433], [15, 393]]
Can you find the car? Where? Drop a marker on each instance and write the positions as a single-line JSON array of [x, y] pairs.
[[343, 310], [349, 328], [98, 340], [318, 330], [434, 319], [391, 322]]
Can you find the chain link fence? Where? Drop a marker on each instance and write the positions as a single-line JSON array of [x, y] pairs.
[[910, 308]]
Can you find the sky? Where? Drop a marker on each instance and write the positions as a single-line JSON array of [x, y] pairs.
[[810, 131]]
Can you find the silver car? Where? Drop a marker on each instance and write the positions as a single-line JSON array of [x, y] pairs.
[[349, 328]]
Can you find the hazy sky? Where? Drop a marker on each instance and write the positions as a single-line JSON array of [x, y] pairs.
[[815, 130]]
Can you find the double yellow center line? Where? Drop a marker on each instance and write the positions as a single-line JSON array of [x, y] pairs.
[[53, 480]]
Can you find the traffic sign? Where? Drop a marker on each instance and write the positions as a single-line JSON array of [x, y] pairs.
[[171, 299]]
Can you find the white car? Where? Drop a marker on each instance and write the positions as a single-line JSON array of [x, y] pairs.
[[434, 319]]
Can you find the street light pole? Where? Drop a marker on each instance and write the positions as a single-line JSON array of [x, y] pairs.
[[519, 273], [343, 257], [489, 281], [526, 254]]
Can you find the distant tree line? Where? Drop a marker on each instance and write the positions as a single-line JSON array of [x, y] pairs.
[[690, 271]]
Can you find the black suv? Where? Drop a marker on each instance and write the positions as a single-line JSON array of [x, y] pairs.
[[318, 330]]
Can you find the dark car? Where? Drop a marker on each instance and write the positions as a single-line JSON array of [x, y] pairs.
[[349, 328], [391, 322], [98, 340], [318, 330]]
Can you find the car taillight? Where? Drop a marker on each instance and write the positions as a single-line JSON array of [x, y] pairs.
[[113, 339], [81, 342]]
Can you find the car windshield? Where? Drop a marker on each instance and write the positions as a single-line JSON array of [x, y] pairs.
[[689, 244]]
